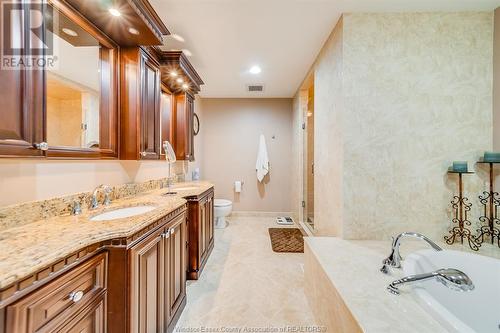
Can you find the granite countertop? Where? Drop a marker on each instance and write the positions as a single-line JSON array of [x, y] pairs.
[[30, 247], [353, 267]]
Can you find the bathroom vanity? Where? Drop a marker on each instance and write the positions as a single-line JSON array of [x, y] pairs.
[[129, 274], [201, 232]]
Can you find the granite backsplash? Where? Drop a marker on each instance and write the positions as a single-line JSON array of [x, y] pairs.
[[27, 212]]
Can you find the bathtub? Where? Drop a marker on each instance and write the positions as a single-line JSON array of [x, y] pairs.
[[474, 311]]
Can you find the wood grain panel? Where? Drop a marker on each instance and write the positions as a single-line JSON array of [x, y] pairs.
[[46, 308]]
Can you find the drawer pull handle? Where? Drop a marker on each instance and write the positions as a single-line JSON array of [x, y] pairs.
[[166, 234], [76, 296], [41, 146]]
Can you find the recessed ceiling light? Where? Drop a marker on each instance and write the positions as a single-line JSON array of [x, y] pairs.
[[115, 12], [133, 31], [185, 86], [173, 74], [179, 80], [177, 37], [255, 70], [69, 32], [187, 52]]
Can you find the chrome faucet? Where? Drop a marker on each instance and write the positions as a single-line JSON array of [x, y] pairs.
[[450, 277], [394, 259], [107, 191]]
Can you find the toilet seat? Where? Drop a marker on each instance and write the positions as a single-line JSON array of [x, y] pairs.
[[222, 203]]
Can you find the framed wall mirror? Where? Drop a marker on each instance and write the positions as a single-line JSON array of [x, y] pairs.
[[81, 88]]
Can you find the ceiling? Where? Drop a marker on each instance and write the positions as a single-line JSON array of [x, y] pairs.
[[283, 37]]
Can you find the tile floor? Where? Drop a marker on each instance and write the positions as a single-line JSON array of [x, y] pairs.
[[245, 284]]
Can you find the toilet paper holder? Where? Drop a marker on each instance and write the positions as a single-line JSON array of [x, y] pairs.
[[238, 187]]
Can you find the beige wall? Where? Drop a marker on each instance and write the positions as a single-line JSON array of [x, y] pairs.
[[231, 130], [24, 180], [398, 98]]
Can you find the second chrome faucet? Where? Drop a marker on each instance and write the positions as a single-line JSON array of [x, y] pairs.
[[107, 200]]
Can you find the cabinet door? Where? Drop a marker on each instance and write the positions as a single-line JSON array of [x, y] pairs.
[[150, 109], [190, 128], [183, 127], [89, 320], [22, 120], [176, 272], [210, 219], [147, 285], [202, 236]]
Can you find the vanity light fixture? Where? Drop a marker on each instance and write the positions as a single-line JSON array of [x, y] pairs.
[[70, 32], [114, 12], [133, 31], [255, 69], [173, 74], [180, 80], [185, 86]]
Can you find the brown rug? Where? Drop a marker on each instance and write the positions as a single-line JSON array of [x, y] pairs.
[[287, 240]]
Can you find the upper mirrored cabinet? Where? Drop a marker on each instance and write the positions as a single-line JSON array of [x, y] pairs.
[[73, 86], [80, 98]]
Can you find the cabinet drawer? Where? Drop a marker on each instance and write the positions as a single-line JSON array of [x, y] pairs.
[[56, 301]]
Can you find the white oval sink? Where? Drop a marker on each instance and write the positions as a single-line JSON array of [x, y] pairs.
[[121, 213]]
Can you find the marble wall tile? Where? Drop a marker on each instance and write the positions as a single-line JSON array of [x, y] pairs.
[[417, 92], [399, 96]]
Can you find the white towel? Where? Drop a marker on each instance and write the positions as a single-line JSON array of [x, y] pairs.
[[262, 165]]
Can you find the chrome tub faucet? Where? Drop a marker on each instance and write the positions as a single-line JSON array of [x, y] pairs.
[[394, 259], [450, 277]]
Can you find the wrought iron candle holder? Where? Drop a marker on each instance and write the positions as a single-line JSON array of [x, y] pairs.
[[460, 221], [490, 201]]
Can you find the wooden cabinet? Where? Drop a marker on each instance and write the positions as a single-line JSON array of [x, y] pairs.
[[184, 83], [166, 113], [21, 95], [129, 284], [62, 305], [140, 109], [30, 96], [91, 319], [201, 232], [158, 278], [183, 125], [175, 270], [147, 260]]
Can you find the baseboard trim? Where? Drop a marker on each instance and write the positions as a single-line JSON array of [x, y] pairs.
[[259, 214]]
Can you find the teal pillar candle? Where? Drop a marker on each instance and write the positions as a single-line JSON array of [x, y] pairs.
[[490, 156], [460, 166]]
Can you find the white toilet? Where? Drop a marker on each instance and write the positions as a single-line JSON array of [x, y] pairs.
[[222, 209]]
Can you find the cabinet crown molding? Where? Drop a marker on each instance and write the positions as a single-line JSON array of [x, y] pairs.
[[177, 60]]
